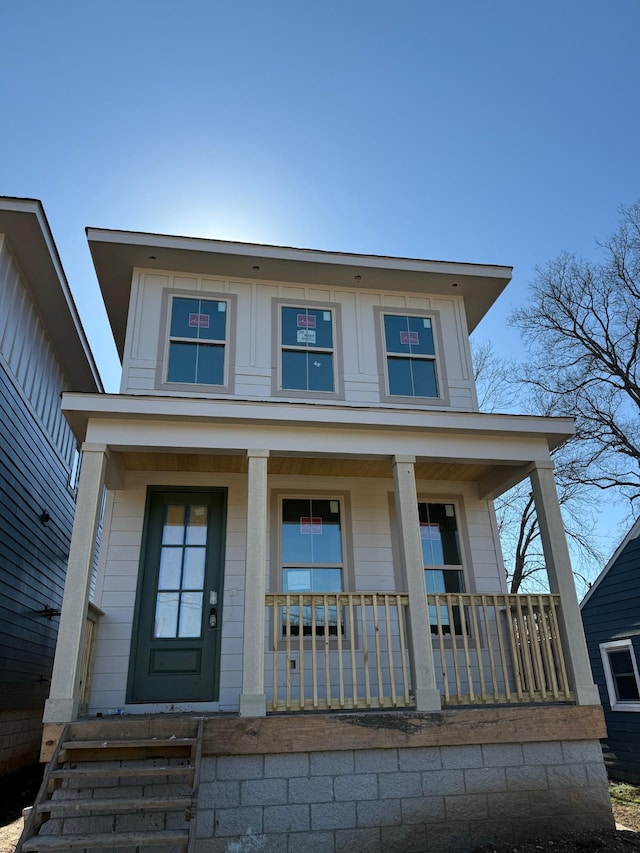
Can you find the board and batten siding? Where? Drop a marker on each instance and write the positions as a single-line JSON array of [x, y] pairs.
[[254, 341], [611, 613], [374, 565]]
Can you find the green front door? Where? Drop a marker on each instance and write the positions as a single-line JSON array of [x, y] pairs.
[[176, 637]]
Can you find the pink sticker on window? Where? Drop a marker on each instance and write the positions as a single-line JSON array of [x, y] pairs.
[[198, 321], [310, 525], [409, 338], [306, 321]]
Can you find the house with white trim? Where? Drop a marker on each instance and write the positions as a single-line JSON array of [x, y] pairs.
[[300, 569]]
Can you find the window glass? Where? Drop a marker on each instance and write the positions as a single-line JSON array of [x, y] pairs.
[[307, 349], [311, 549], [441, 547], [624, 677], [410, 348], [197, 341]]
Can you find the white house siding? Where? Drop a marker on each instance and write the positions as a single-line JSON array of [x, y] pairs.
[[254, 341], [28, 356], [370, 501]]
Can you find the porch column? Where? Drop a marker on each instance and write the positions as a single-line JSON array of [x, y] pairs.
[[253, 702], [561, 582], [422, 667], [62, 704]]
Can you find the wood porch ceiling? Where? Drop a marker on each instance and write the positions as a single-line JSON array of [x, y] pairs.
[[298, 465]]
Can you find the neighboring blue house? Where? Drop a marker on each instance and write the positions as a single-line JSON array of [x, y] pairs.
[[43, 352], [611, 618]]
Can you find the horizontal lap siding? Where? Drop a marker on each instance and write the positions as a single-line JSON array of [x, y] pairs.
[[33, 555], [612, 614]]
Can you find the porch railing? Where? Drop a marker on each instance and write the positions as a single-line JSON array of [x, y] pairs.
[[492, 649], [88, 656], [350, 651], [339, 651]]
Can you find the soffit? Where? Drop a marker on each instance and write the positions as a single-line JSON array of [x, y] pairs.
[[117, 253]]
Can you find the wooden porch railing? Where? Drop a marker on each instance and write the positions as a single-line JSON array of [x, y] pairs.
[[88, 656], [339, 651], [349, 650], [502, 649]]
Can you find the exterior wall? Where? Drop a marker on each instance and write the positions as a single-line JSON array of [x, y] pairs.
[[253, 336], [449, 798], [371, 561], [611, 613], [36, 446]]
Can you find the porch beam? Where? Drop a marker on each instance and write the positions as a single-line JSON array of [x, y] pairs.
[[559, 572], [427, 695], [253, 701], [63, 701]]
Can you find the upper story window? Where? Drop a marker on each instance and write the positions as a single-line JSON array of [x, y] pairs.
[[621, 675], [308, 352], [410, 355], [196, 350]]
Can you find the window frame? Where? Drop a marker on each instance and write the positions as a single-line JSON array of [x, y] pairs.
[[619, 645], [278, 348], [164, 344], [277, 564], [380, 313]]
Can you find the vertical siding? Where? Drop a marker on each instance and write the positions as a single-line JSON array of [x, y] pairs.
[[28, 356], [612, 613], [253, 334]]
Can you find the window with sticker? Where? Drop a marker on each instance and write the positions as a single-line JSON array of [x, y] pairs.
[[198, 334], [307, 349], [410, 356]]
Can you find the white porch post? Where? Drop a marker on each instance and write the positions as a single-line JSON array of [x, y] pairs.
[[62, 704], [253, 702], [427, 694], [556, 554]]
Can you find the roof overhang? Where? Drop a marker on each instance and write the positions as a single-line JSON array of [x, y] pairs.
[[25, 226], [117, 253]]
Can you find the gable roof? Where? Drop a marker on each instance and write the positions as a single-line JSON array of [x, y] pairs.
[[29, 236], [116, 254], [632, 534]]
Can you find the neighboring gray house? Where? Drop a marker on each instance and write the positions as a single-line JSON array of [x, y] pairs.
[[43, 352], [611, 618]]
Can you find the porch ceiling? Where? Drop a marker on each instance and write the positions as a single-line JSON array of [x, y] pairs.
[[298, 465]]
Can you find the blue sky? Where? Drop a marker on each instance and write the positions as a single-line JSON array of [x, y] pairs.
[[491, 131]]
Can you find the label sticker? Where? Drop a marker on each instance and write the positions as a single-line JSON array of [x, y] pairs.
[[222, 306], [198, 321], [310, 525], [306, 336], [430, 532], [326, 316], [298, 581], [409, 338], [306, 321]]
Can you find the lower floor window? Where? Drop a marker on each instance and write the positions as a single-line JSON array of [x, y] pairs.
[[312, 562], [621, 674], [442, 561]]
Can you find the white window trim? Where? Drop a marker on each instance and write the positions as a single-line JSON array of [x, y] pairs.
[[443, 390], [276, 372], [617, 645], [162, 383]]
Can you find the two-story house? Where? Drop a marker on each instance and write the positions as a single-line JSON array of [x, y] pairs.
[[300, 555], [43, 352]]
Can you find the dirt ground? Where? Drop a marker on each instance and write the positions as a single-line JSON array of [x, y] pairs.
[[22, 788]]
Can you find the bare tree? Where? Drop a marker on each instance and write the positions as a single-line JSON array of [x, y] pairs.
[[499, 388], [582, 328]]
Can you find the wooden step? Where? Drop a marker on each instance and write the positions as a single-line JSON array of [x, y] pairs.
[[119, 743], [82, 808], [115, 772], [110, 839]]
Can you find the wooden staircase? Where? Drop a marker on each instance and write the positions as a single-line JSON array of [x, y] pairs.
[[119, 784]]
